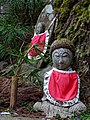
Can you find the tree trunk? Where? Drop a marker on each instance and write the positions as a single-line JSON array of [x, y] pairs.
[[14, 84], [13, 97]]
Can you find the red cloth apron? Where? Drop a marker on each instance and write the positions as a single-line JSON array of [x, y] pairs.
[[63, 86], [38, 40]]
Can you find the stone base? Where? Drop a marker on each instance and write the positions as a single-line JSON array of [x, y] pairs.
[[64, 112]]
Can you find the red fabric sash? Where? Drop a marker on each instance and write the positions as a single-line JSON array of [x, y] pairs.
[[63, 86], [38, 40]]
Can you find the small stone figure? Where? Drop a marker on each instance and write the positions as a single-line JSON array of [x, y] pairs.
[[61, 83], [44, 32], [39, 42]]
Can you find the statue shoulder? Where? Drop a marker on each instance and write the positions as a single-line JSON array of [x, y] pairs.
[[47, 74]]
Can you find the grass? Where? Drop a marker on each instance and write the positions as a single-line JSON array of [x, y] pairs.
[[86, 115], [83, 116]]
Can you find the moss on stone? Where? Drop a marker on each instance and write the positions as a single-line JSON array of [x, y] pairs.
[[74, 24]]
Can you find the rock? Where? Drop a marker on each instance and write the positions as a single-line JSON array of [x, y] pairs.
[[42, 71], [48, 16], [64, 112], [25, 72], [3, 64]]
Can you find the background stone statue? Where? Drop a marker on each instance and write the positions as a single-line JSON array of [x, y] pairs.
[[61, 83], [39, 42], [48, 21]]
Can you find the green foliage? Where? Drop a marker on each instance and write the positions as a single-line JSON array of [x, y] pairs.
[[28, 106], [11, 32], [82, 116], [16, 31], [12, 37], [15, 25], [63, 8], [58, 3], [31, 75], [86, 115], [74, 19], [25, 11]]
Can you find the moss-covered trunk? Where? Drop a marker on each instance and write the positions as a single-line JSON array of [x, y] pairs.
[[74, 24]]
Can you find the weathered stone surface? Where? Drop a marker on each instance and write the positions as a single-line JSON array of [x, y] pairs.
[[25, 71], [47, 16], [51, 110], [42, 72]]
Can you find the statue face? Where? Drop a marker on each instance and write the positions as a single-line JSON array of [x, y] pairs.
[[62, 58], [39, 28]]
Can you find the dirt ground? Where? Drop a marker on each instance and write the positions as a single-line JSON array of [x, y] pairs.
[[8, 117]]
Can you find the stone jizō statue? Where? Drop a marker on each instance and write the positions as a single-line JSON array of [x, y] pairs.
[[44, 32], [61, 83], [39, 42]]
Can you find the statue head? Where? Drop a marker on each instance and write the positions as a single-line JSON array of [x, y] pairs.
[[62, 52], [52, 2], [40, 28]]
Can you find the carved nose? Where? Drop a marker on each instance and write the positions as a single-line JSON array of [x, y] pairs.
[[60, 60]]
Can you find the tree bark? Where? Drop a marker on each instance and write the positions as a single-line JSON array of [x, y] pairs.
[[13, 97]]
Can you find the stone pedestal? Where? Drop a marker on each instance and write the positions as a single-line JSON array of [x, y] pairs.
[[64, 112]]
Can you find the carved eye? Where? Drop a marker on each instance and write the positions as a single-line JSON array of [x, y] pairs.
[[65, 55], [56, 54]]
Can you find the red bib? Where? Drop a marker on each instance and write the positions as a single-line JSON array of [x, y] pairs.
[[38, 40], [63, 86]]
